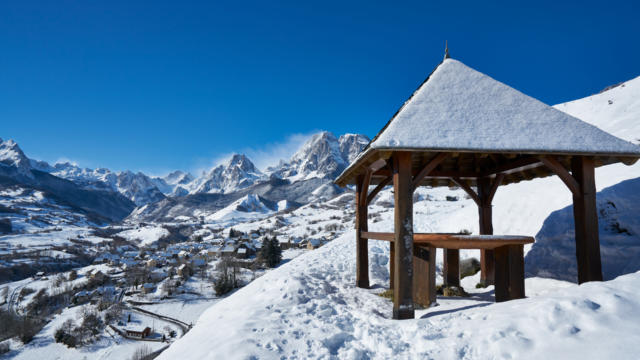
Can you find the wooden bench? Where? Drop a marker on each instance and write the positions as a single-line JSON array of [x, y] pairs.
[[508, 257]]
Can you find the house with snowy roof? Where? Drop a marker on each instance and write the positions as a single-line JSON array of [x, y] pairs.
[[227, 250], [148, 288], [462, 128]]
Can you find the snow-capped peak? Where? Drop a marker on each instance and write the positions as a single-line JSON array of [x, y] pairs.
[[12, 156], [178, 178], [323, 155], [235, 174]]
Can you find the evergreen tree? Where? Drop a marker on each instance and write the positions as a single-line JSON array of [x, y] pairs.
[[276, 255], [271, 253]]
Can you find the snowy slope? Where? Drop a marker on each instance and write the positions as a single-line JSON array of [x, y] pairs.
[[616, 110], [309, 308], [144, 235], [248, 207]]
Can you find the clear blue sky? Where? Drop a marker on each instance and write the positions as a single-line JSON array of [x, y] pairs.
[[157, 86]]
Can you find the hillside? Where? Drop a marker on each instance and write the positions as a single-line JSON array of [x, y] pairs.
[[309, 307]]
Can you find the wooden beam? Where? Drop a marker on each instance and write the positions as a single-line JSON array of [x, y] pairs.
[[384, 173], [378, 164], [378, 188], [586, 221], [385, 236], [511, 166], [554, 165], [403, 227], [456, 241], [362, 245], [464, 186], [431, 165]]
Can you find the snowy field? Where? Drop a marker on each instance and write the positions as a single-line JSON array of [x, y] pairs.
[[144, 235], [309, 308], [109, 346]]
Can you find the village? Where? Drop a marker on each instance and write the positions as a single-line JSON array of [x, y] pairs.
[[149, 283]]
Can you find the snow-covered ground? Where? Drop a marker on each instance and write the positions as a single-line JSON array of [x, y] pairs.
[[144, 235], [310, 308], [109, 346]]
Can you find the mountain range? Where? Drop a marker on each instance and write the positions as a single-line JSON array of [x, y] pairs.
[[307, 175]]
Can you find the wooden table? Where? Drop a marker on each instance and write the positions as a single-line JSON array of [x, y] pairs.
[[508, 257]]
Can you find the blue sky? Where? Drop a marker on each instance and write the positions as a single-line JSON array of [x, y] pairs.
[[157, 86]]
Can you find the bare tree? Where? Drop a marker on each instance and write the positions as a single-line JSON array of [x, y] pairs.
[[142, 353]]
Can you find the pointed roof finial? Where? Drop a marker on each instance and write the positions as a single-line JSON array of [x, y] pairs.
[[446, 49]]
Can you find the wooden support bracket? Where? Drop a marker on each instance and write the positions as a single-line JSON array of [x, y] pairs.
[[378, 188], [554, 165], [463, 184], [431, 165]]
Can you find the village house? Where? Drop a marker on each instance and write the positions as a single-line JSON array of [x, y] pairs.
[[97, 276], [184, 271], [199, 261], [213, 251], [288, 242], [242, 253], [313, 244], [148, 288], [138, 334], [228, 250]]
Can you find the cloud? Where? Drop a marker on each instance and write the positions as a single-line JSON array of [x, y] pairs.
[[271, 154]]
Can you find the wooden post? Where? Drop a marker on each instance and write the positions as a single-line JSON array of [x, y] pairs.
[[487, 268], [586, 220], [403, 216], [451, 268], [392, 265], [362, 245]]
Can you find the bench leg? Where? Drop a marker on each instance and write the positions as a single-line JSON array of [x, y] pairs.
[[516, 271], [451, 267], [487, 269], [509, 272], [424, 275]]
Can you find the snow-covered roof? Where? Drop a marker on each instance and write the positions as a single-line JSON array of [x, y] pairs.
[[459, 108]]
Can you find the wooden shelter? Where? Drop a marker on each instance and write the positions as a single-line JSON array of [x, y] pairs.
[[463, 128]]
